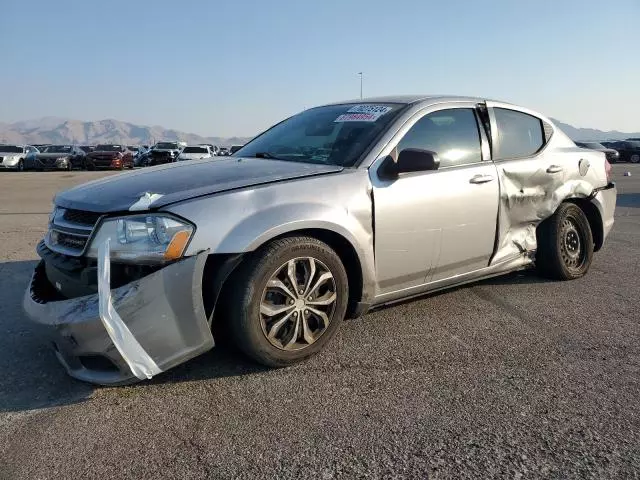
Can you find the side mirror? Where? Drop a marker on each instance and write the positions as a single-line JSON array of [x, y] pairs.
[[410, 160]]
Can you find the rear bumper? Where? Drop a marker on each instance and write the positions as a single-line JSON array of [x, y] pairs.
[[129, 333], [605, 201]]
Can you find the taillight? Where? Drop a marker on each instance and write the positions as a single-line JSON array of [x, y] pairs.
[[608, 169]]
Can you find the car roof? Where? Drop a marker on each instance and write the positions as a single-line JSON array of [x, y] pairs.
[[411, 99]]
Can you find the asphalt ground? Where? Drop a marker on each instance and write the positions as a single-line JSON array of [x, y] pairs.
[[516, 377]]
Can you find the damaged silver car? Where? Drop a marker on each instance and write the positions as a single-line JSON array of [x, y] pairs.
[[331, 212]]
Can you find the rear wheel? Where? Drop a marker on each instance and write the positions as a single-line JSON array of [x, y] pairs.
[[565, 244], [288, 301], [635, 158]]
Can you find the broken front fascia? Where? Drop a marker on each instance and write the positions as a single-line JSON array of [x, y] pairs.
[[144, 327], [526, 199]]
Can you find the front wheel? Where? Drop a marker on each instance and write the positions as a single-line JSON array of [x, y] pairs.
[[565, 244], [20, 166], [288, 300]]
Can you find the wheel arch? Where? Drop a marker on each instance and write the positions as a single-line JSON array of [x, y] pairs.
[[594, 217], [219, 269]]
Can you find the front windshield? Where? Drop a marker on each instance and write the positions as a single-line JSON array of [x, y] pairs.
[[195, 150], [167, 146], [11, 149], [334, 134], [58, 149], [109, 148]]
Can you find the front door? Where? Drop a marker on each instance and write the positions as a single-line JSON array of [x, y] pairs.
[[437, 224]]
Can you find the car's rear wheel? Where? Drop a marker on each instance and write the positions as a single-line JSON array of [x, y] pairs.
[[635, 158], [565, 244], [288, 300]]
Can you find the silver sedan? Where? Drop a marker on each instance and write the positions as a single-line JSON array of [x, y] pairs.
[[334, 211]]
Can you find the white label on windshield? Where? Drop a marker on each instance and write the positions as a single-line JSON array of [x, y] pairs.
[[363, 113]]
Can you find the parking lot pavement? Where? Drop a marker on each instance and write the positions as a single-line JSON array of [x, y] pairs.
[[514, 377]]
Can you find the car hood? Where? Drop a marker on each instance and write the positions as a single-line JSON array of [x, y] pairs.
[[103, 152], [194, 156], [52, 155], [159, 186]]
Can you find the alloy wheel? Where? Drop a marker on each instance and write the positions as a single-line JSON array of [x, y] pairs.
[[298, 303]]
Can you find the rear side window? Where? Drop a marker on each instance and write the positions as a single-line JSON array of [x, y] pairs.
[[453, 134], [519, 134]]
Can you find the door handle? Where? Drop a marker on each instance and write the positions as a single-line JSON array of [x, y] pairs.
[[554, 169], [481, 179]]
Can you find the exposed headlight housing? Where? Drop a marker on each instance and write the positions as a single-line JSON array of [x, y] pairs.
[[151, 238]]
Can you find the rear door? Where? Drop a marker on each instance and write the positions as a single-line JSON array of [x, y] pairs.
[[436, 224], [531, 175]]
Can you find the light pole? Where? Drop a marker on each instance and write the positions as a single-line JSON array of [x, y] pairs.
[[360, 73]]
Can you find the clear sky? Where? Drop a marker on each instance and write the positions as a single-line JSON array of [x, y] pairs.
[[235, 67]]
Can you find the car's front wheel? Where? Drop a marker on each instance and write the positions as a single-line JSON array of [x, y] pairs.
[[288, 299], [20, 166], [565, 244]]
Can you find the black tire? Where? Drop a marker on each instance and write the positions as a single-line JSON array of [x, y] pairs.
[[565, 244], [20, 167], [242, 311], [635, 158], [69, 166]]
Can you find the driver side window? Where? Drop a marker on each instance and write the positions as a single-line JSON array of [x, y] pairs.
[[452, 134]]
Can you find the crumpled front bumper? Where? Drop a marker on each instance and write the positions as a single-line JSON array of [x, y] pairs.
[[129, 333]]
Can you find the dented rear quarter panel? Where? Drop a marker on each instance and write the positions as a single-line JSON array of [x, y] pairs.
[[532, 188]]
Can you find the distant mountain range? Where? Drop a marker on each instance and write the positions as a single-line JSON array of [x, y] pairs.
[[592, 133], [62, 130]]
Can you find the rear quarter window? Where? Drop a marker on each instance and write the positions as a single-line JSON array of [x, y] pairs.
[[519, 134]]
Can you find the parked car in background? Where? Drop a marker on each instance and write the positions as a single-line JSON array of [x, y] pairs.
[[223, 151], [234, 149], [195, 152], [165, 152], [151, 252], [142, 159], [13, 157], [56, 157], [634, 139], [87, 148], [112, 156], [629, 150], [612, 155]]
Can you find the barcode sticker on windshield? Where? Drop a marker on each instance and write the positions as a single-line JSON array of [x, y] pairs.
[[363, 113]]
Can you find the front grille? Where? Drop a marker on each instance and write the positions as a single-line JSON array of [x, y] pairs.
[[67, 240], [81, 217], [70, 230]]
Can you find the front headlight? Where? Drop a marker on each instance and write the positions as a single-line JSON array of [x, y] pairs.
[[152, 238]]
